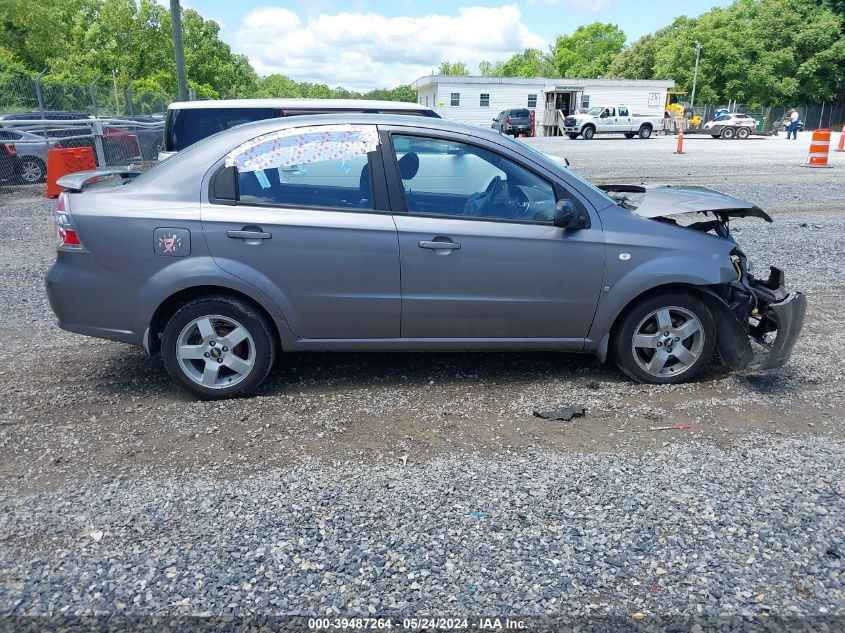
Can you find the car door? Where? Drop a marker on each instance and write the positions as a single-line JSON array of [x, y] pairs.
[[311, 218], [624, 122], [480, 257], [606, 120]]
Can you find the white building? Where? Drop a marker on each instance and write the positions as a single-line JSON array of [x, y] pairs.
[[478, 100]]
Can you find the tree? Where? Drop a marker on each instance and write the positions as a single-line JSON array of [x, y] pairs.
[[759, 52], [453, 68], [588, 52], [532, 62], [278, 86]]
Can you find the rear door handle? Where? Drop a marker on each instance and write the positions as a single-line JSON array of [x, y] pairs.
[[446, 246], [249, 235]]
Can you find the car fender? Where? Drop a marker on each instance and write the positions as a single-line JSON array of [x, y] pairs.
[[621, 287], [191, 272]]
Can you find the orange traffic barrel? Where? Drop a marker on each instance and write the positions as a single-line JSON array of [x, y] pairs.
[[841, 147], [819, 148], [67, 161]]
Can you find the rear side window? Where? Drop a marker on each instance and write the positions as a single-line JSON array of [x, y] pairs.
[[318, 166], [185, 127]]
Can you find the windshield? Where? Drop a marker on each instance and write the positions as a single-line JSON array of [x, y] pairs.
[[595, 110]]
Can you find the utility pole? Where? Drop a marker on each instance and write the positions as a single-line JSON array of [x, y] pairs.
[[695, 73], [179, 49]]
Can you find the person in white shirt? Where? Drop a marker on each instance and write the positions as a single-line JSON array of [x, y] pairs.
[[794, 118]]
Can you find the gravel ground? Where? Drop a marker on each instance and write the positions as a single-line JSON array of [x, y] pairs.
[[422, 483]]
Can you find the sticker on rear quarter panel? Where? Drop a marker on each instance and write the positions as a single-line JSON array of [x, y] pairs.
[[172, 242]]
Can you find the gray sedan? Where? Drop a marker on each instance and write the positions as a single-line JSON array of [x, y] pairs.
[[386, 232], [31, 151]]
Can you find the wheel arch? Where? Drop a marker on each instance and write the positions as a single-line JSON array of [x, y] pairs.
[[171, 304], [602, 332]]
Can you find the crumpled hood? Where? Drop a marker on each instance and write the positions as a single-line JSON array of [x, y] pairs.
[[665, 200]]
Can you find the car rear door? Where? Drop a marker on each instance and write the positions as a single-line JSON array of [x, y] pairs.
[[480, 258], [311, 217], [624, 120]]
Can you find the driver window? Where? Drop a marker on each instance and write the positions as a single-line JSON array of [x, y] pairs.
[[442, 177]]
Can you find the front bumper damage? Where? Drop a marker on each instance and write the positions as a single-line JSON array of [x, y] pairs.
[[757, 321]]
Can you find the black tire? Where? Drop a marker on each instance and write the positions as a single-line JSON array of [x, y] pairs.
[[728, 133], [31, 170], [630, 134], [743, 133], [715, 135], [622, 339], [645, 131], [252, 320], [572, 136], [588, 132]]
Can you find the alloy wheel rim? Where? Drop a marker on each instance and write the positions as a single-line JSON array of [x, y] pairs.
[[215, 351], [668, 341], [31, 171]]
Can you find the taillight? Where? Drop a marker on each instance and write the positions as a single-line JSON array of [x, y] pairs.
[[67, 237], [508, 120], [13, 151], [57, 145]]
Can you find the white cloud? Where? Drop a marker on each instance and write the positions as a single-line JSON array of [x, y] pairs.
[[369, 50]]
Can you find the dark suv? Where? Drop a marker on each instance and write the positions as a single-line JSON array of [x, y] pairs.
[[513, 122]]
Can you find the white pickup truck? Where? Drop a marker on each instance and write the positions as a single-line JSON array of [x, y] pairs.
[[615, 118]]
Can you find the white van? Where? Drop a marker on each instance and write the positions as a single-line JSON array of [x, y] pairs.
[[190, 121]]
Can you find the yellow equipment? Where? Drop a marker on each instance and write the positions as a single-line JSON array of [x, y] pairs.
[[677, 106]]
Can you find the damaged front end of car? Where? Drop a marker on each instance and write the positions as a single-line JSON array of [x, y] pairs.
[[758, 320]]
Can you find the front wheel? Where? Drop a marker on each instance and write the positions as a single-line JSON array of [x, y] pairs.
[[572, 135], [666, 339], [629, 135], [218, 347], [728, 133], [588, 132]]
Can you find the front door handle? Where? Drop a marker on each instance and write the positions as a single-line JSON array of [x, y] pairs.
[[249, 235], [446, 246]]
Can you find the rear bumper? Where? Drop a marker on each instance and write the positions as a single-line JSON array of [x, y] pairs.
[[91, 300]]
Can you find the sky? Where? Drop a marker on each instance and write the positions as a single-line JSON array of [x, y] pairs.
[[364, 44]]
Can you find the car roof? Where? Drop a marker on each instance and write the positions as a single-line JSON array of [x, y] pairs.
[[340, 104]]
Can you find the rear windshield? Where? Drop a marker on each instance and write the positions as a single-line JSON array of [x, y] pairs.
[[185, 127], [519, 114]]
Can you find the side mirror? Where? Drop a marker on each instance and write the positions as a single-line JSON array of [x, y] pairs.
[[570, 218]]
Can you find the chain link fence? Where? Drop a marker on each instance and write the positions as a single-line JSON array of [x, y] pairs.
[[771, 119], [121, 127]]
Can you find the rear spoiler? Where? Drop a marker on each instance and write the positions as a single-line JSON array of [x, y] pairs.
[[77, 181]]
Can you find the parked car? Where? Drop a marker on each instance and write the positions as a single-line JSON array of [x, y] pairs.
[[119, 145], [361, 232], [608, 119], [735, 119], [31, 151], [513, 122], [190, 121]]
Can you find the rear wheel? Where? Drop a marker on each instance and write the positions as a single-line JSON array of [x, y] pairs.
[[218, 347], [666, 339], [728, 133], [31, 170], [588, 132], [743, 133], [572, 136], [645, 131]]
